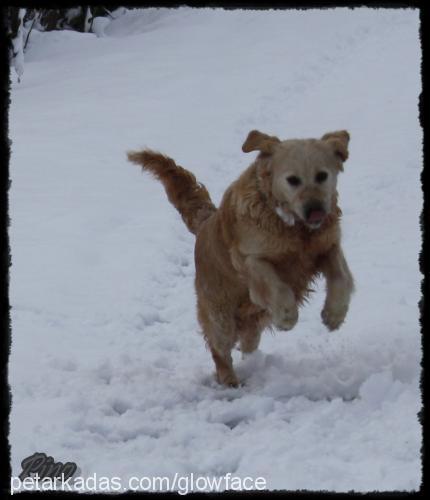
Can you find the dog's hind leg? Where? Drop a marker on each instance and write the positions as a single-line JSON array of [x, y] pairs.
[[221, 336], [224, 366]]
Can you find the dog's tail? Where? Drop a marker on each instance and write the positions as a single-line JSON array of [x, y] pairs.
[[188, 196]]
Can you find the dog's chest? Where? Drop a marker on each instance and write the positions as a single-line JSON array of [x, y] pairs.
[[291, 246], [295, 255]]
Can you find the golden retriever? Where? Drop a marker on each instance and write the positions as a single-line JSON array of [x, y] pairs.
[[276, 230]]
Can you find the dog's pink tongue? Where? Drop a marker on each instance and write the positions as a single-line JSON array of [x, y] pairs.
[[316, 216]]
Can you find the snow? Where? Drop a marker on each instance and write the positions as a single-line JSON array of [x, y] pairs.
[[107, 368]]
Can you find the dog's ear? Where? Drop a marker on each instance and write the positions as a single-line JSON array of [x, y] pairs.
[[338, 141], [257, 141]]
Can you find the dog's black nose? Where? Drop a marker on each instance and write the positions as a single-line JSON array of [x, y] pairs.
[[314, 211]]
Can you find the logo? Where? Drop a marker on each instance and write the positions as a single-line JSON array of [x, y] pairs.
[[45, 467]]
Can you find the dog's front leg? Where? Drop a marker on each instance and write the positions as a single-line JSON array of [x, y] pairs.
[[340, 285], [268, 291]]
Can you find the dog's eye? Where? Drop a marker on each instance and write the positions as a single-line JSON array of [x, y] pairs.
[[293, 180], [321, 177]]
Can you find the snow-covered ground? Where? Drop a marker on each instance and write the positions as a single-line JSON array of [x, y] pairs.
[[107, 368]]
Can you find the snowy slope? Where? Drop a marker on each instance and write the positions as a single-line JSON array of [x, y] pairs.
[[107, 367]]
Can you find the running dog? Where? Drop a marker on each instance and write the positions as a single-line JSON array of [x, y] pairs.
[[276, 230]]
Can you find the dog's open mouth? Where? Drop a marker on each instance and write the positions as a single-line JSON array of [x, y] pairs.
[[315, 218]]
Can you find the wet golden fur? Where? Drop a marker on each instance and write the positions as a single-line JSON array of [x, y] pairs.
[[258, 254]]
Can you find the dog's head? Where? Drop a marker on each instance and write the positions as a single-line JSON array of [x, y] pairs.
[[302, 172]]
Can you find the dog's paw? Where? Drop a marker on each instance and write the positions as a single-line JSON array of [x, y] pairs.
[[333, 317], [229, 380], [287, 318]]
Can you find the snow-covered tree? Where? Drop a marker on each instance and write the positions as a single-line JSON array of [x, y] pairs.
[[17, 55], [23, 21]]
